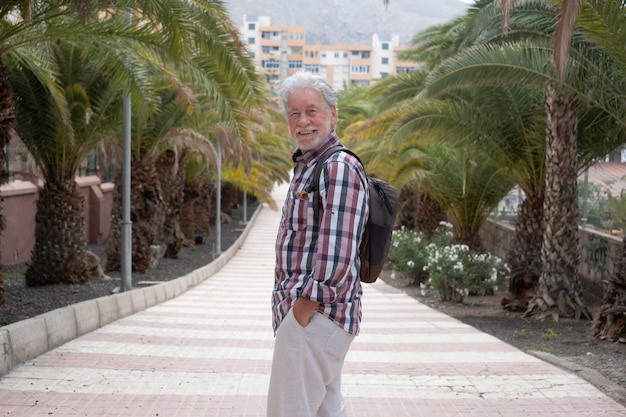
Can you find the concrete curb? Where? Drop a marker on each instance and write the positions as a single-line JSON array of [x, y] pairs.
[[27, 339], [595, 378]]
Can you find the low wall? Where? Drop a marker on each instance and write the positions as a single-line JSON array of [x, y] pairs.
[[598, 250], [20, 207]]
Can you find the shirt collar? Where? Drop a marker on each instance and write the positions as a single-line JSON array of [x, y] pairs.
[[312, 155]]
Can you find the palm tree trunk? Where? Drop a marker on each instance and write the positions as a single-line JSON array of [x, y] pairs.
[[171, 179], [191, 192], [524, 256], [559, 290], [429, 215], [407, 207], [59, 254], [207, 207], [7, 123], [146, 215]]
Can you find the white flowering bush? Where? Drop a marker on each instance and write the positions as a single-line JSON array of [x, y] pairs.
[[407, 255], [443, 234], [452, 271], [485, 274], [446, 269], [455, 272]]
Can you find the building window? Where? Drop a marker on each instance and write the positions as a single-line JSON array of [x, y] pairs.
[[312, 68], [295, 64], [270, 64], [336, 54], [385, 61], [266, 35], [361, 54], [265, 49], [385, 46], [251, 26], [251, 41], [360, 69], [384, 74]]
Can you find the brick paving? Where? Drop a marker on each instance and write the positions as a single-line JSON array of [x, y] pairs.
[[207, 353]]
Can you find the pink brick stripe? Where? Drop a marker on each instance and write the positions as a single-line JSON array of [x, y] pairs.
[[208, 353], [62, 404]]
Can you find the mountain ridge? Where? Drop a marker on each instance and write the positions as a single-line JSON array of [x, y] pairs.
[[339, 21]]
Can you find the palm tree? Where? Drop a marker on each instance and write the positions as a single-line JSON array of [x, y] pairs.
[[157, 177], [506, 124], [32, 24], [270, 164], [466, 184], [514, 140], [404, 131], [60, 132], [557, 290], [366, 122], [18, 18]]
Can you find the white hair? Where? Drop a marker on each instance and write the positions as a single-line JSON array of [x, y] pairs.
[[301, 80]]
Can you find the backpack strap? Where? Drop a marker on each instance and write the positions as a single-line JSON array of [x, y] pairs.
[[315, 183]]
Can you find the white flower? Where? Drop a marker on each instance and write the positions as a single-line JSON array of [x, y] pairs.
[[494, 274], [464, 292], [410, 264]]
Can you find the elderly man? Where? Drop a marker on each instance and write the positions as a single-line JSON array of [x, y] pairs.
[[316, 301]]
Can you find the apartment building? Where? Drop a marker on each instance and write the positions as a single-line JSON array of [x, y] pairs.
[[279, 51]]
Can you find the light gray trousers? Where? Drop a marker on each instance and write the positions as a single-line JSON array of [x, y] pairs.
[[306, 369]]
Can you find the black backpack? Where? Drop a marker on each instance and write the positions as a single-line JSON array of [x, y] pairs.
[[383, 204]]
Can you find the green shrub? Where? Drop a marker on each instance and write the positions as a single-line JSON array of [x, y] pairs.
[[446, 271], [485, 273], [407, 255], [455, 272]]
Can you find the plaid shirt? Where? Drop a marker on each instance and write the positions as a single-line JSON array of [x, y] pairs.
[[329, 271]]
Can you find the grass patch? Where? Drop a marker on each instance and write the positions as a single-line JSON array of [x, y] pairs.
[[13, 275], [549, 334]]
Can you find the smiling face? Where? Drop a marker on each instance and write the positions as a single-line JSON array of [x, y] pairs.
[[310, 121]]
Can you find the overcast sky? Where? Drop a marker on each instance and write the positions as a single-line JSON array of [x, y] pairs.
[[334, 21]]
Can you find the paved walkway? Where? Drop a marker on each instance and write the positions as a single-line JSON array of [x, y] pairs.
[[208, 352]]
